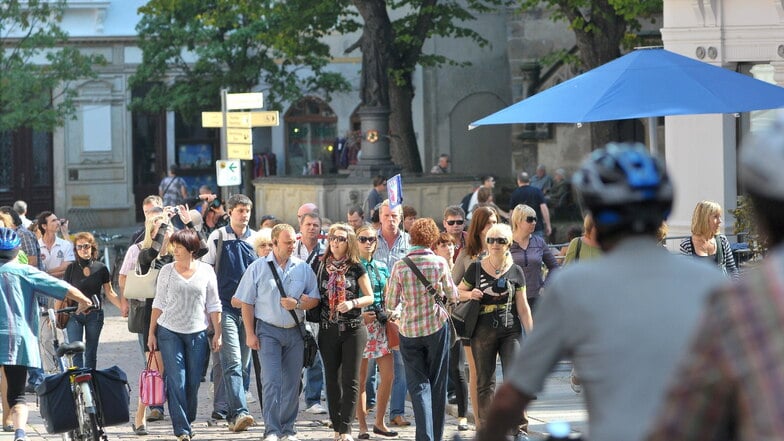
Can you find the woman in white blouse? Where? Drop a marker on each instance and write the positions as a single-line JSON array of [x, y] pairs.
[[187, 296]]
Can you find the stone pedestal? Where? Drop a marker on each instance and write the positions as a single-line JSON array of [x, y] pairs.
[[281, 196], [374, 158]]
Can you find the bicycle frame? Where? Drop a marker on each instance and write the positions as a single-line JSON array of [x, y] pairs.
[[89, 428]]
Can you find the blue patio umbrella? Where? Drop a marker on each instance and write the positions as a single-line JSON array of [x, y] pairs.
[[646, 83]]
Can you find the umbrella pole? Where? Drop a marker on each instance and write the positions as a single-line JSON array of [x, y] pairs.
[[653, 135]]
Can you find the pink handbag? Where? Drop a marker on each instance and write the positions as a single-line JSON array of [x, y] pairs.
[[152, 389]]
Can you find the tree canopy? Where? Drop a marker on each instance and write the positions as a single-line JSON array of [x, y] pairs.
[[37, 65], [194, 48]]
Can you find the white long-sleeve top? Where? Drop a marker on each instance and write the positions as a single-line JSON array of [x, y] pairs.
[[186, 303]]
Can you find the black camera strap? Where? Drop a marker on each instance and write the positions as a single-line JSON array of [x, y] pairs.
[[283, 294]]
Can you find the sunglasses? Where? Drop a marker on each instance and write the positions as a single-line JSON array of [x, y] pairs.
[[85, 246], [366, 239], [455, 222], [339, 239], [498, 240], [530, 219]]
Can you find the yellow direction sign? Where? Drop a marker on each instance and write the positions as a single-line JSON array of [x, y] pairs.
[[239, 136], [241, 119], [239, 151], [236, 101]]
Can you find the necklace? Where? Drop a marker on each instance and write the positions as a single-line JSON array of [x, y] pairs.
[[496, 268], [85, 269]]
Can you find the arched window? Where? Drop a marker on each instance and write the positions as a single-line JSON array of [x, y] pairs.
[[311, 130]]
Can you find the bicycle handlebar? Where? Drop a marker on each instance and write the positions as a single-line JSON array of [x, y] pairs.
[[71, 309]]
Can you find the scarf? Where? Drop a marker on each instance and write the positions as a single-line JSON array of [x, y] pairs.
[[336, 285]]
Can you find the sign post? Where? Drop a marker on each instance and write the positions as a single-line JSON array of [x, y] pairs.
[[236, 132]]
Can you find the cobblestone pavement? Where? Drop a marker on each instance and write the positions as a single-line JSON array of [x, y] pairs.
[[119, 347]]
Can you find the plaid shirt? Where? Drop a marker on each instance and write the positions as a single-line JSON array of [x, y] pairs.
[[731, 384], [421, 315]]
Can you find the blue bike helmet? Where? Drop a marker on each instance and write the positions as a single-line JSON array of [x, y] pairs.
[[9, 240], [624, 188]]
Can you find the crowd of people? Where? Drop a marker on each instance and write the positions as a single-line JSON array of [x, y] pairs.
[[377, 292]]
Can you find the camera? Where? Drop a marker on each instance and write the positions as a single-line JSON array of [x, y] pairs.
[[62, 221], [216, 203], [381, 315], [175, 210]]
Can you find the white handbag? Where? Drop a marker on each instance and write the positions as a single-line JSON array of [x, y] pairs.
[[141, 286]]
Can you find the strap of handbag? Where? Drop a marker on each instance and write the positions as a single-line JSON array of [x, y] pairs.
[[219, 249], [283, 294], [429, 286], [152, 360]]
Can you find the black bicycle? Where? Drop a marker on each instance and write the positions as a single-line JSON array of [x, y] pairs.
[[87, 424]]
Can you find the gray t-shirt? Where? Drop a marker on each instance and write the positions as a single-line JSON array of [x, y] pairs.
[[624, 319]]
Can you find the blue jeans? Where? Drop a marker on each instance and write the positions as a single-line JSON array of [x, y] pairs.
[[86, 327], [370, 384], [397, 401], [281, 356], [314, 382], [183, 358], [235, 356], [427, 366], [219, 402]]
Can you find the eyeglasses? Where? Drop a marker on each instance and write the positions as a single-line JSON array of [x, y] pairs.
[[455, 222], [530, 219], [268, 244], [84, 246], [366, 239], [339, 239], [498, 240]]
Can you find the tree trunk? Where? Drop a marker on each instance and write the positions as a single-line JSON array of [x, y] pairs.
[[596, 47], [404, 148]]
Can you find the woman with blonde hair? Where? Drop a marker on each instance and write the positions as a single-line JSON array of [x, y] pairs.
[[529, 251], [345, 289], [377, 347], [499, 285], [262, 242], [706, 241]]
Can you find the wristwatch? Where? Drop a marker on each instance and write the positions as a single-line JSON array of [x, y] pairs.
[[298, 305]]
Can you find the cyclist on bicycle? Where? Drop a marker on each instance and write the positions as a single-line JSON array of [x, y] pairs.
[[19, 320]]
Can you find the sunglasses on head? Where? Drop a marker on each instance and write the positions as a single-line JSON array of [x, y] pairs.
[[530, 219], [85, 246], [455, 222], [498, 240], [340, 239], [366, 239]]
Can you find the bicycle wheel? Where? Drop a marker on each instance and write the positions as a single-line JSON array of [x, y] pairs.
[[89, 430]]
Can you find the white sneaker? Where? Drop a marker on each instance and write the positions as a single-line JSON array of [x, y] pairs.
[[290, 438], [316, 409], [249, 397], [271, 437]]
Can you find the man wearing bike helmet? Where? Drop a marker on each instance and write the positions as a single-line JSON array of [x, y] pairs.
[[623, 319], [730, 384], [19, 321]]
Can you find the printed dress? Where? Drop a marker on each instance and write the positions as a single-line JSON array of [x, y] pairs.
[[377, 345]]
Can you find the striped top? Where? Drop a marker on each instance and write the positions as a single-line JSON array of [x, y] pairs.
[[727, 264], [734, 371], [186, 303], [421, 315]]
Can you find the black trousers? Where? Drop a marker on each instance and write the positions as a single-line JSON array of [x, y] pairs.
[[341, 352]]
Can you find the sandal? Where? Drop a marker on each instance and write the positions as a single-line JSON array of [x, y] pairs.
[[140, 431]]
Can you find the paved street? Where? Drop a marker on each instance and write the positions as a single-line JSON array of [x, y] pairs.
[[119, 347]]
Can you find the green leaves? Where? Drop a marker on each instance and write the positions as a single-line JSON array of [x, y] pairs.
[[194, 48], [30, 33]]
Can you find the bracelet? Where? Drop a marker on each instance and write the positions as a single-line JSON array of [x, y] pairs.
[[353, 304]]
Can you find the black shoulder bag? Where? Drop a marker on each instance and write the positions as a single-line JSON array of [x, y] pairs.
[[466, 314], [311, 347], [432, 291]]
